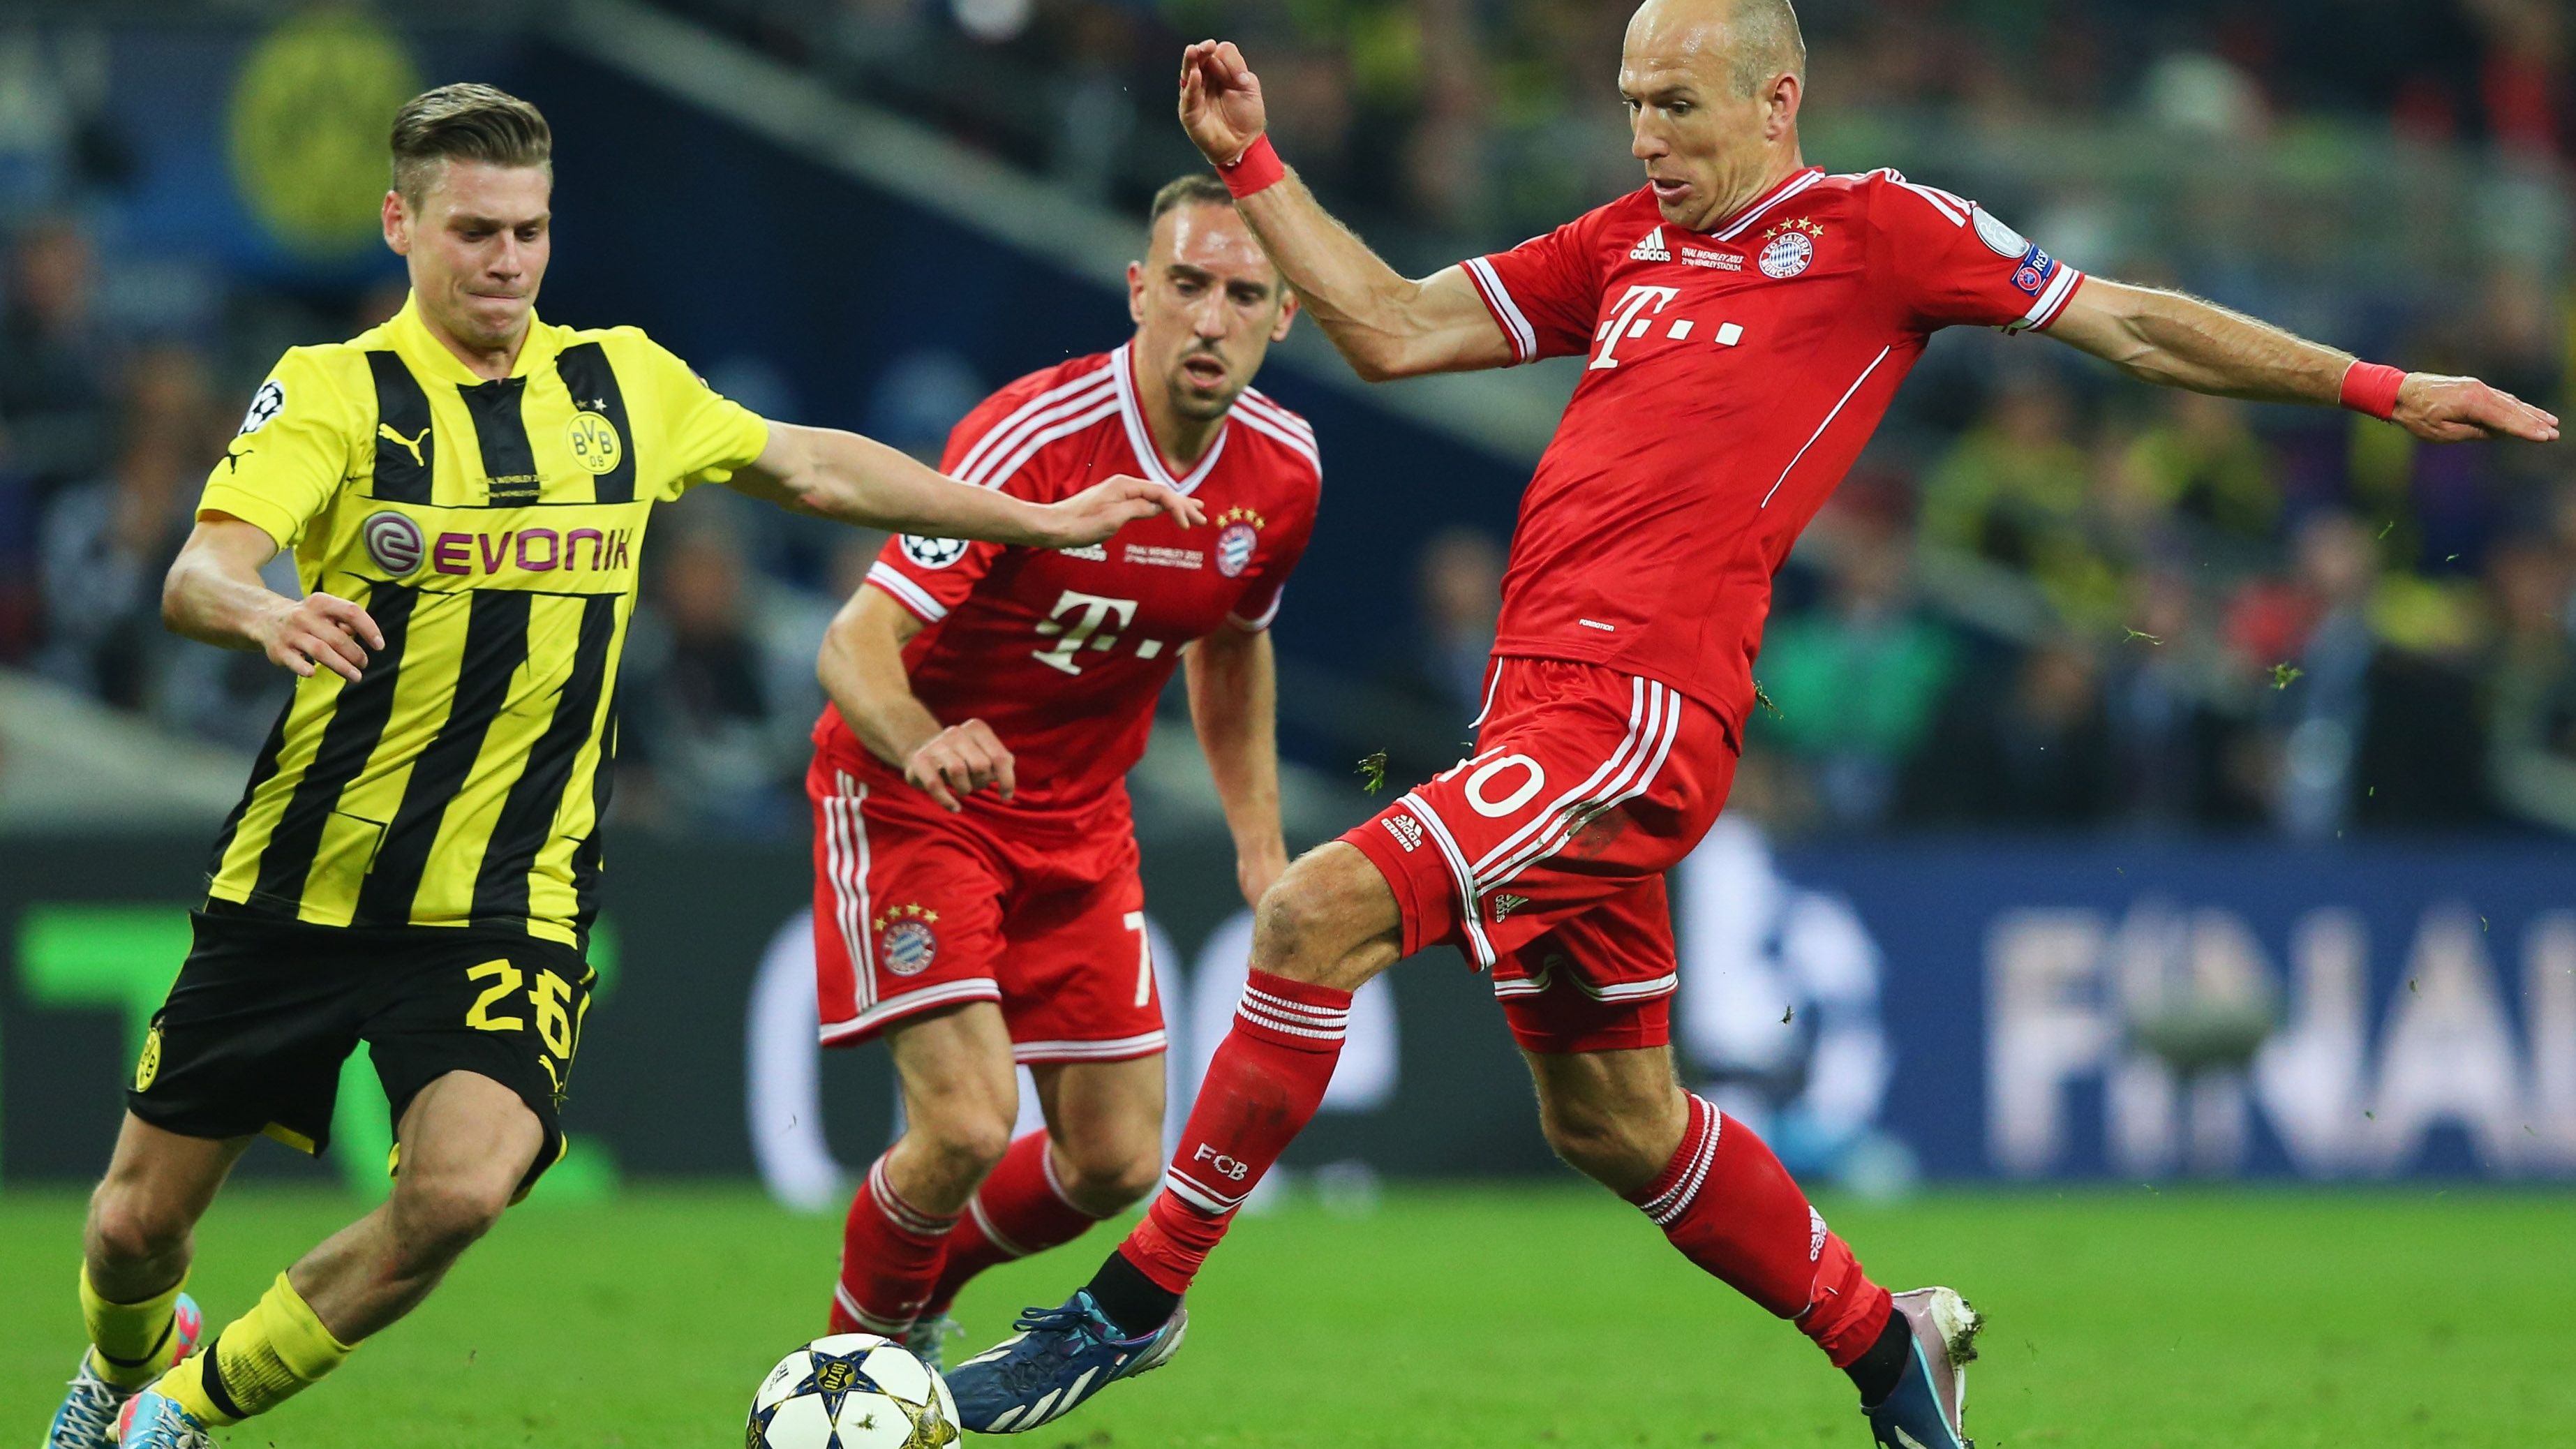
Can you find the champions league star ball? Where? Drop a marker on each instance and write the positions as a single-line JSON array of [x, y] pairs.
[[851, 1391]]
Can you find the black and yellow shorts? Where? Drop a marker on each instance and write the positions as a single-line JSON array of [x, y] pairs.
[[264, 1012]]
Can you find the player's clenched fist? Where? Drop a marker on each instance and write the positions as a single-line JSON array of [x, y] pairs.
[[1103, 508], [319, 630], [2457, 409], [960, 760], [1220, 101]]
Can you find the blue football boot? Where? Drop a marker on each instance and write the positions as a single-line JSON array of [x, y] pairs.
[[151, 1421], [1060, 1357], [87, 1417], [1928, 1407]]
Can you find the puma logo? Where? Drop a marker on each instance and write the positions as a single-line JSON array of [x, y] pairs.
[[233, 456], [410, 444]]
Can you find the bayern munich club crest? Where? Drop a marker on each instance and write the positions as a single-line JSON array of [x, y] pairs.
[[906, 944], [1238, 532], [393, 541], [1789, 249]]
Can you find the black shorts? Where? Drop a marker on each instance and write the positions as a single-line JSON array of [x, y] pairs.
[[264, 1012]]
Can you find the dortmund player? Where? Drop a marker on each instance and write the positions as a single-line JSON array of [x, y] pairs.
[[416, 860]]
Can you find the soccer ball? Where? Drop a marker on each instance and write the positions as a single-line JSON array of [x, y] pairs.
[[851, 1391]]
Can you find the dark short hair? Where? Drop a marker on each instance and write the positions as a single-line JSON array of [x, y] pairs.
[[466, 122], [1198, 188]]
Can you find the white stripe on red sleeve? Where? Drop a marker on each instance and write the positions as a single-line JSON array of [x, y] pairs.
[[1498, 300], [907, 593], [2052, 301]]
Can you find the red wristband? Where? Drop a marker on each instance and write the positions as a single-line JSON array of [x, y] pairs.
[[1259, 166], [2371, 388]]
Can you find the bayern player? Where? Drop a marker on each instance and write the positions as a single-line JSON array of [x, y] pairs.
[[977, 901], [1746, 319]]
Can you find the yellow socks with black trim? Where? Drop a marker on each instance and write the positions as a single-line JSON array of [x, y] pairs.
[[129, 1342], [259, 1361]]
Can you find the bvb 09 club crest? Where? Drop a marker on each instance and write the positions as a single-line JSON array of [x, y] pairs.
[[1238, 532], [594, 442], [148, 1066], [906, 944]]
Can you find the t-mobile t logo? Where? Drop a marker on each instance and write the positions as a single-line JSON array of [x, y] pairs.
[[1088, 629], [1627, 320]]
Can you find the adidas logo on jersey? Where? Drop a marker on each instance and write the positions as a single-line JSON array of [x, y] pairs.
[[1650, 248], [1097, 553], [1406, 830], [1505, 905]]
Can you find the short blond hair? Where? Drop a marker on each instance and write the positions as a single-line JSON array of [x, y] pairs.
[[466, 122]]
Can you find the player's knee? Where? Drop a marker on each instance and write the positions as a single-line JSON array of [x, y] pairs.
[[966, 1140], [439, 1217], [127, 1226], [1306, 926], [1597, 1142], [1110, 1175]]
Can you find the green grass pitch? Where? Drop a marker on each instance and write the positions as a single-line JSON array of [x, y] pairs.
[[1484, 1317]]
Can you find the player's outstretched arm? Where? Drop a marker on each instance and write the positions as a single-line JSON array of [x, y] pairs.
[[1234, 703], [213, 595], [862, 673], [859, 480], [1385, 324], [2178, 341]]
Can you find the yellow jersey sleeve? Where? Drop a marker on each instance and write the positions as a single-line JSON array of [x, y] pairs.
[[706, 436], [292, 452]]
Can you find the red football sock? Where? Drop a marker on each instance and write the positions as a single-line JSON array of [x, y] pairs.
[[1020, 1209], [890, 1254], [1262, 1087], [1730, 1207]]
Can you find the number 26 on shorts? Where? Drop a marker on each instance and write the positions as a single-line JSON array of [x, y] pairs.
[[549, 998]]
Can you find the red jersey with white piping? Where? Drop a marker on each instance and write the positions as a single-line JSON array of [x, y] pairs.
[[1734, 376]]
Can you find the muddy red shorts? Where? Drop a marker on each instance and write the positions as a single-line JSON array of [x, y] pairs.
[[916, 909], [1542, 856]]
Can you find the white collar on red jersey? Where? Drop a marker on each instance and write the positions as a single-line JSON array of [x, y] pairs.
[[1140, 438], [1736, 225]]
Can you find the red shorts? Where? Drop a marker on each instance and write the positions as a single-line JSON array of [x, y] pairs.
[[1543, 855], [916, 909]]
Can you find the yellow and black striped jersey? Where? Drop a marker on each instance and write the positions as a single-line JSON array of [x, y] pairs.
[[492, 528]]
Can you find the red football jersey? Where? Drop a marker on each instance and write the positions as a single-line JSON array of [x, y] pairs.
[[1063, 652], [1735, 375]]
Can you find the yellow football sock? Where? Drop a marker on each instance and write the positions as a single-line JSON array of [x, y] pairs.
[[259, 1361], [129, 1342]]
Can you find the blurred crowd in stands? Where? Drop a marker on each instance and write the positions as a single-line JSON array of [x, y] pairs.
[[1431, 120], [2048, 598]]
